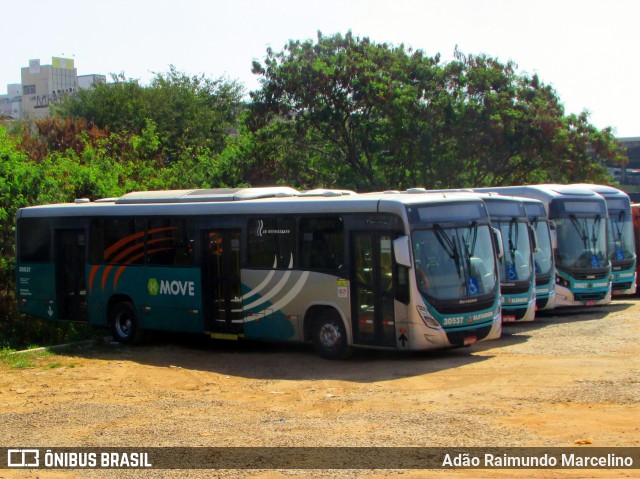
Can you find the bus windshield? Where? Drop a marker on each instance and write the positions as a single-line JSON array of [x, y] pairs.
[[454, 262], [516, 263], [542, 255], [621, 241], [581, 242]]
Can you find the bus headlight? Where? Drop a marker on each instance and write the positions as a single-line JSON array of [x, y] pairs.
[[427, 318]]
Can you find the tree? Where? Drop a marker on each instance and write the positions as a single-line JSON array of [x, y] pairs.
[[192, 112], [341, 94], [373, 116], [511, 129], [116, 106], [189, 113]]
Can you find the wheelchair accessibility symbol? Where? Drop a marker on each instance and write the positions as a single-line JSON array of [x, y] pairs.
[[472, 286]]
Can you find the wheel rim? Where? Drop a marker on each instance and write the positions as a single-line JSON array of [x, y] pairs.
[[329, 335], [123, 326]]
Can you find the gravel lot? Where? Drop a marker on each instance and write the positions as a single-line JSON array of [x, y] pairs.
[[570, 376]]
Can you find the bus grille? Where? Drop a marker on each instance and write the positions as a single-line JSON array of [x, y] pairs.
[[621, 286], [601, 275], [589, 296], [463, 308], [515, 289], [541, 302]]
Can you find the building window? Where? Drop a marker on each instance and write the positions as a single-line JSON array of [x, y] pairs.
[[29, 90]]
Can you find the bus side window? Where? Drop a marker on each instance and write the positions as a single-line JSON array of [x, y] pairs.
[[95, 242], [170, 242], [271, 243], [321, 243], [34, 240], [123, 241]]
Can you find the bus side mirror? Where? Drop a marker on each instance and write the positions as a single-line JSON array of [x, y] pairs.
[[401, 251], [497, 236], [534, 238], [554, 235]]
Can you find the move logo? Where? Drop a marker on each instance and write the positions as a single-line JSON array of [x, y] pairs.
[[171, 288]]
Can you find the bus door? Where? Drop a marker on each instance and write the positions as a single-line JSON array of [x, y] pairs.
[[221, 294], [71, 292], [372, 285]]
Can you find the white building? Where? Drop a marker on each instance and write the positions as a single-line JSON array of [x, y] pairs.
[[11, 103], [43, 85], [88, 81]]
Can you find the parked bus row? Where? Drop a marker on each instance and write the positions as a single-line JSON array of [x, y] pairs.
[[412, 270]]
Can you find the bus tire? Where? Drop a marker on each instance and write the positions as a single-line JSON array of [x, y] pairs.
[[330, 336], [125, 326]]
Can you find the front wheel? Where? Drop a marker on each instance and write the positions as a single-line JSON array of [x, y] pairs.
[[125, 326], [330, 337]]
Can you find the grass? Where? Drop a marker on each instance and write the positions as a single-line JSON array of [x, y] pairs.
[[42, 358]]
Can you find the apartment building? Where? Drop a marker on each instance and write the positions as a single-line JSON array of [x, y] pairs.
[[43, 85]]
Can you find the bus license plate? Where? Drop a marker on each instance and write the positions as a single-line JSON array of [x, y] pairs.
[[470, 340], [508, 318], [590, 302]]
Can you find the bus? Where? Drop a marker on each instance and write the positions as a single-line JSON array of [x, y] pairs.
[[517, 274], [620, 239], [333, 269], [544, 261], [517, 271], [635, 210], [579, 219]]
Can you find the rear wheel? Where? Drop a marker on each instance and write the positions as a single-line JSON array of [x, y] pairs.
[[330, 336], [125, 326]]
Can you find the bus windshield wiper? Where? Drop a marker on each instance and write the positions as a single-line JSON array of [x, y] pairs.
[[618, 227], [448, 245], [594, 236], [513, 244], [581, 229], [470, 246]]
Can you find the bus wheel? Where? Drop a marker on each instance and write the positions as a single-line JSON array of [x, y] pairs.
[[124, 323], [330, 337]]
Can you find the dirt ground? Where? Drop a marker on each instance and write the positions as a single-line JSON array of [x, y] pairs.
[[570, 376]]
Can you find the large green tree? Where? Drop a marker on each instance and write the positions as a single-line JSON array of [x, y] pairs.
[[511, 129], [190, 114], [339, 94], [379, 116]]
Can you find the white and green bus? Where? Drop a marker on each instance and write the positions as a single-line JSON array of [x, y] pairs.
[[621, 241], [339, 270], [516, 266], [579, 218], [517, 271], [544, 261]]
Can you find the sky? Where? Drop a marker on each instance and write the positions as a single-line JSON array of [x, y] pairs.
[[586, 50]]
